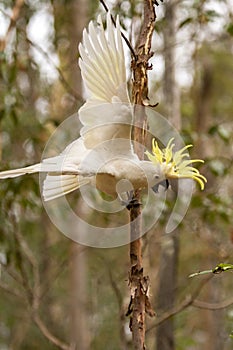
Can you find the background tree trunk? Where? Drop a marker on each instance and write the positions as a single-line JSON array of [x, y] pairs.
[[170, 243], [71, 24], [214, 320]]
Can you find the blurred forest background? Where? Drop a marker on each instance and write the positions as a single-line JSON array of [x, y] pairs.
[[55, 293]]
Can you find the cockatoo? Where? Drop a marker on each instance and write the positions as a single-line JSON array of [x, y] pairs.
[[103, 155]]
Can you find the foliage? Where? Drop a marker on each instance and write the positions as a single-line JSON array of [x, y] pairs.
[[36, 259]]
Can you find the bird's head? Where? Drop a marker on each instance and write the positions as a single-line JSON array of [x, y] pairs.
[[175, 165]]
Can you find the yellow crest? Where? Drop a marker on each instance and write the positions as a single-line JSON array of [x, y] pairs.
[[176, 165]]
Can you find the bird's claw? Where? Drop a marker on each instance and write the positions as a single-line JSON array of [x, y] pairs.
[[129, 202], [133, 203]]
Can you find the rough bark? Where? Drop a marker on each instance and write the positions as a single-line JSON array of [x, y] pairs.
[[139, 284]]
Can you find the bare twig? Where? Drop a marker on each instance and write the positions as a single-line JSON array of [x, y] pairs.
[[59, 71], [122, 318], [188, 301], [33, 301], [122, 34], [32, 293], [35, 290], [45, 331], [23, 273], [15, 276], [10, 290], [213, 306], [13, 18], [43, 52], [59, 270]]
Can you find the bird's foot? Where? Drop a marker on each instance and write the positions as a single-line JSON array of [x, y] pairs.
[[133, 203], [129, 202]]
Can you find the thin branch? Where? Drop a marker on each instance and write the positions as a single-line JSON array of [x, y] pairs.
[[188, 301], [10, 290], [119, 297], [52, 338], [44, 53], [45, 288], [24, 281], [43, 328], [15, 276], [54, 276], [35, 290], [60, 74], [13, 18], [213, 306], [138, 283], [33, 293], [122, 34]]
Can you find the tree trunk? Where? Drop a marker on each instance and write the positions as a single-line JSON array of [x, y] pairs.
[[166, 294], [139, 283], [80, 336], [170, 243], [214, 320], [70, 25]]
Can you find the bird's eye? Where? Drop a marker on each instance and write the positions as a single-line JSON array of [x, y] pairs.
[[156, 176]]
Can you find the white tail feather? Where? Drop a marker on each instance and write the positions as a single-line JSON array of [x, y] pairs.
[[21, 171], [59, 185]]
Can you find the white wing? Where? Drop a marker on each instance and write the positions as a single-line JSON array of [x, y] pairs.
[[107, 112], [103, 63], [106, 116], [63, 174]]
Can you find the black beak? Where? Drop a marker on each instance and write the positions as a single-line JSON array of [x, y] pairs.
[[164, 183]]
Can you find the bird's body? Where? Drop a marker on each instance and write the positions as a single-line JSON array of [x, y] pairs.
[[125, 176], [103, 156], [102, 168]]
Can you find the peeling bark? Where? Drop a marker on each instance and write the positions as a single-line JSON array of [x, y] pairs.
[[139, 284]]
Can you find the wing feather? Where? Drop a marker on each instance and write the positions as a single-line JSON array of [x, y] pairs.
[[102, 61], [103, 71], [56, 186], [106, 116]]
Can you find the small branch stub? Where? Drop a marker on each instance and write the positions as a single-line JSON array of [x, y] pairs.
[[139, 284]]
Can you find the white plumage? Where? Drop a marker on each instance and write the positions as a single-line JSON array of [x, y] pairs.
[[103, 155]]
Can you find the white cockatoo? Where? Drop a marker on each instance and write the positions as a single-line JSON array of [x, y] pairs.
[[103, 156]]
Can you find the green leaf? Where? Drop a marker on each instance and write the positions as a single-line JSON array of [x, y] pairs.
[[222, 267], [186, 21], [211, 14], [217, 167], [224, 132], [230, 29], [213, 130]]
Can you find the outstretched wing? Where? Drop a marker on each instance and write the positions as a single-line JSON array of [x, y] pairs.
[[107, 112], [106, 116], [102, 62]]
